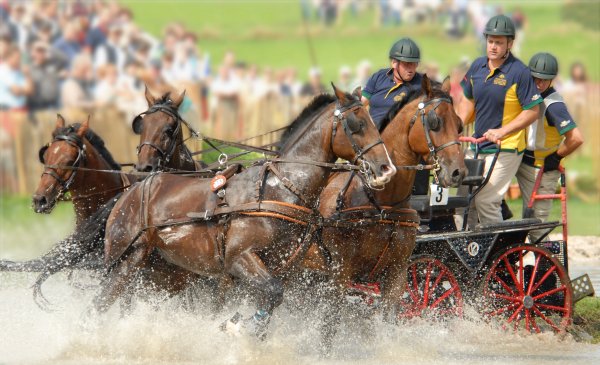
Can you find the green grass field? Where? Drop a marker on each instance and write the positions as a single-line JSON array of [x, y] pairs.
[[272, 33]]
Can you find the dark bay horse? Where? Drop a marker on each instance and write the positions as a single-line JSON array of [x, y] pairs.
[[251, 229], [162, 146], [368, 236], [77, 161]]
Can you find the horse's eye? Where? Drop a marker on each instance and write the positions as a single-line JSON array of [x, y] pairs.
[[354, 124]]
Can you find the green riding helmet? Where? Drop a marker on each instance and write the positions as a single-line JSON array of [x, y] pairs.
[[543, 66], [500, 25], [405, 50]]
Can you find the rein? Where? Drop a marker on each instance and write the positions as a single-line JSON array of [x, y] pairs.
[[433, 150]]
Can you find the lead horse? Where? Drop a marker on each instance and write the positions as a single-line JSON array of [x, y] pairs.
[[368, 236], [256, 226]]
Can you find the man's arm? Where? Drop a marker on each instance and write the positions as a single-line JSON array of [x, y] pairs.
[[523, 120], [573, 139], [466, 109]]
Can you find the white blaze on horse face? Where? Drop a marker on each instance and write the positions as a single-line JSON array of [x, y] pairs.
[[56, 148]]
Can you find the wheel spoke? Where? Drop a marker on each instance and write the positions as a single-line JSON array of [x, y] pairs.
[[527, 320], [512, 275], [504, 285], [521, 272], [553, 307], [443, 296], [550, 292], [426, 286], [506, 297], [514, 315], [439, 278], [535, 267], [542, 316], [503, 309], [546, 276], [534, 325]]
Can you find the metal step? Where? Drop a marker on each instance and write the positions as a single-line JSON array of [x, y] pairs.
[[582, 287]]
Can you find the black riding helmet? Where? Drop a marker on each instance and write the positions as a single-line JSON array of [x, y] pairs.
[[405, 50], [500, 25], [543, 66]]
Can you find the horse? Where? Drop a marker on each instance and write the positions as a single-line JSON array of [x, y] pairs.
[[77, 161], [368, 236], [255, 225], [162, 145]]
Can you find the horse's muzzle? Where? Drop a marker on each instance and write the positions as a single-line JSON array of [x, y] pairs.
[[41, 204]]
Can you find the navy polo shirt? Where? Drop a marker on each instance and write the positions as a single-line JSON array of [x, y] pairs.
[[383, 92], [500, 95]]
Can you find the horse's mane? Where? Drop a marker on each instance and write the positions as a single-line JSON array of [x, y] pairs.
[[315, 106], [95, 140], [412, 95]]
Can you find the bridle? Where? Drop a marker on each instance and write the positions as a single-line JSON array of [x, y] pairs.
[[167, 108], [352, 126], [432, 122], [75, 141]]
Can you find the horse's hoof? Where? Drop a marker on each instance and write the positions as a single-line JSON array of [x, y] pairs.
[[232, 326]]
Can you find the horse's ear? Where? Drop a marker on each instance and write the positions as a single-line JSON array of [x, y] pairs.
[[357, 92], [426, 86], [149, 98], [340, 95], [446, 84], [84, 127], [60, 121], [178, 100]]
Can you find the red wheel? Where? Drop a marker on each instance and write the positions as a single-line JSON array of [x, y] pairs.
[[431, 291], [527, 288]]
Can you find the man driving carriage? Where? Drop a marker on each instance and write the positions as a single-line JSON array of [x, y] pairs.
[[389, 85], [501, 95], [553, 136]]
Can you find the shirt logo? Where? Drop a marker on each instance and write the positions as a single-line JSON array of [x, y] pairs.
[[535, 97], [399, 96], [564, 123], [500, 80]]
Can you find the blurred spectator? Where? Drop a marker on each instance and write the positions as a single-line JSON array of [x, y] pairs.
[[106, 90], [99, 31], [225, 92], [111, 51], [68, 44], [363, 72], [520, 21], [47, 70], [458, 18], [14, 84], [20, 31], [577, 79], [345, 79], [77, 90], [328, 11], [313, 86]]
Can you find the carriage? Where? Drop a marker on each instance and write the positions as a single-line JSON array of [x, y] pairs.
[[524, 285]]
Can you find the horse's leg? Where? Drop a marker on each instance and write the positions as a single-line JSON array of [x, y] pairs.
[[394, 282], [122, 274], [242, 263], [332, 296]]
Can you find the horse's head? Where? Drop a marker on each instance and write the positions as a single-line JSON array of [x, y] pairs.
[[356, 138], [160, 132], [434, 131], [61, 157]]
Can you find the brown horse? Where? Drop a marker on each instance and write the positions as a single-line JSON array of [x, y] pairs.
[[368, 237], [162, 146], [251, 229], [77, 161]]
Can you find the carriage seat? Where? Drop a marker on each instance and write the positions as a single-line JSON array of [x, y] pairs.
[[420, 199]]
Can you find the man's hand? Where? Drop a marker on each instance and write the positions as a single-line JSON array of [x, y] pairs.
[[494, 135], [552, 161]]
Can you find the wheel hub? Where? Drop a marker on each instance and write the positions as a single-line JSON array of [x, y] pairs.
[[528, 301]]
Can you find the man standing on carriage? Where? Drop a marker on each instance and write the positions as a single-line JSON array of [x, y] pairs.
[[552, 137], [389, 85], [500, 92]]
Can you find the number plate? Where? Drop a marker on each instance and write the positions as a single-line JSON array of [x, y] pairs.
[[439, 195]]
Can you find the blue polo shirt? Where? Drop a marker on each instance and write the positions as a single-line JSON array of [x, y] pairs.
[[500, 95], [383, 92]]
